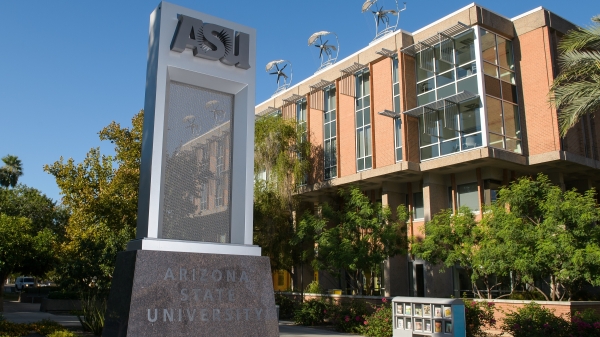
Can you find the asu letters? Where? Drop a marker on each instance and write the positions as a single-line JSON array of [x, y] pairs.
[[212, 42]]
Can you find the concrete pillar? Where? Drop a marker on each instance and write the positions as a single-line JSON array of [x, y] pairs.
[[395, 268], [435, 199]]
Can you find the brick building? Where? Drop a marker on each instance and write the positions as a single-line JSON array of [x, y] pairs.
[[440, 118]]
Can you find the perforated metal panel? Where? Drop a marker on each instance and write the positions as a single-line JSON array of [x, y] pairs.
[[197, 171]]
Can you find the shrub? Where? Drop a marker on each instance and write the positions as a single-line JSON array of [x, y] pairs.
[[287, 306], [347, 317], [64, 295], [535, 321], [585, 324], [379, 323], [91, 315], [313, 288], [9, 329], [46, 327], [63, 333], [477, 316], [311, 312]]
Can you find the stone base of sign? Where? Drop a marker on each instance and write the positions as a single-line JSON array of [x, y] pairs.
[[190, 294]]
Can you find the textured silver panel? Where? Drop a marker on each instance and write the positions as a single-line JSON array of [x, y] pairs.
[[197, 157]]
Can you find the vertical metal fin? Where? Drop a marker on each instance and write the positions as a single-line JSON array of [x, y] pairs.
[[451, 115], [430, 118], [446, 49], [427, 55], [317, 100], [348, 85]]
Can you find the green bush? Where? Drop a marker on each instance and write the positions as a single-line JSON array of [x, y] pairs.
[[63, 333], [347, 317], [287, 306], [9, 329], [46, 327], [91, 315], [379, 323], [313, 288], [535, 321], [311, 312], [64, 295], [478, 315], [585, 324]]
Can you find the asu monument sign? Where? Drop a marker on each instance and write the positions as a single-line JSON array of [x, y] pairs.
[[192, 269]]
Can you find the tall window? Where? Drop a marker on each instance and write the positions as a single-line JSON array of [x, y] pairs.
[[418, 206], [302, 130], [204, 197], [501, 92], [330, 134], [468, 195], [397, 122], [364, 158], [443, 70], [220, 194]]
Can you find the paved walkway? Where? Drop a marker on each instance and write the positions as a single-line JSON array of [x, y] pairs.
[[28, 313]]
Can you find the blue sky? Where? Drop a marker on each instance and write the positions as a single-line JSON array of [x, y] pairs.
[[69, 68]]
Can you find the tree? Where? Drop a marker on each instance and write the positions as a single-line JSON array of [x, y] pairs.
[[101, 195], [23, 249], [576, 90], [282, 152], [548, 234], [357, 236], [28, 202], [458, 240], [11, 171]]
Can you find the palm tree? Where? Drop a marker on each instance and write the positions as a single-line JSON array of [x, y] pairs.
[[11, 171], [576, 90]]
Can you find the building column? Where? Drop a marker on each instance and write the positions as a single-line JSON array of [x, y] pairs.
[[435, 195], [395, 278]]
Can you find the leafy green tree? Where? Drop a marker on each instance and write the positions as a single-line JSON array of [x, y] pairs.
[[357, 236], [576, 90], [23, 249], [548, 234], [282, 152], [28, 202], [458, 240], [11, 171], [101, 195]]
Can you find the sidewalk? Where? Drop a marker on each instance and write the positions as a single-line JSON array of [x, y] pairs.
[[28, 313]]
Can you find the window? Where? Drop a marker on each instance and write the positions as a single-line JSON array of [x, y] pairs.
[[220, 157], [302, 130], [280, 278], [204, 197], [468, 195], [220, 193], [443, 133], [364, 159], [501, 92], [396, 100], [330, 134], [490, 190], [398, 138], [418, 208], [443, 70]]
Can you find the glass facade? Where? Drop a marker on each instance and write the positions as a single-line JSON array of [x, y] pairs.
[[504, 126], [330, 134], [396, 100], [443, 70], [364, 158]]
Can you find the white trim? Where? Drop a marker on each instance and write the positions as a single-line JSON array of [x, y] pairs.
[[540, 8], [164, 245]]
